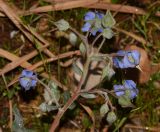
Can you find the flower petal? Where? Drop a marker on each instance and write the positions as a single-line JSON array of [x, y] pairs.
[[34, 82], [134, 93], [136, 56], [129, 84], [89, 16], [119, 90], [28, 79], [127, 63], [25, 82], [99, 15], [86, 27], [27, 73], [117, 62]]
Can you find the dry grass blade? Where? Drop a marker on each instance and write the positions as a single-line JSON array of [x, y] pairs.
[[61, 56], [90, 113], [19, 61], [118, 7], [28, 32], [13, 57], [134, 36], [139, 128], [95, 4], [61, 6]]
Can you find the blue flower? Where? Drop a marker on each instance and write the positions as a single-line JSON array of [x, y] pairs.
[[89, 16], [128, 88], [126, 59], [86, 27], [28, 79], [131, 86], [92, 18], [119, 90], [99, 15]]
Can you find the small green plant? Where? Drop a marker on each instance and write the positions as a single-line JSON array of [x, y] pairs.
[[99, 26]]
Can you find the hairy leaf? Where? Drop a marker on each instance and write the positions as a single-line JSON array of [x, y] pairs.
[[18, 125], [108, 33], [72, 38], [88, 95], [76, 69], [125, 101], [66, 96], [44, 107], [82, 49], [62, 25], [111, 117], [104, 110], [51, 95], [108, 20], [108, 72]]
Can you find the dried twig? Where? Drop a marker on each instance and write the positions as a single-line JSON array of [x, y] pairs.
[[60, 6], [118, 7], [146, 128], [25, 64], [134, 36], [64, 55], [28, 31], [19, 61], [95, 4], [10, 105]]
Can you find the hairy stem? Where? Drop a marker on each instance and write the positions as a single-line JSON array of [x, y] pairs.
[[95, 40], [82, 37], [100, 46], [72, 99], [49, 91]]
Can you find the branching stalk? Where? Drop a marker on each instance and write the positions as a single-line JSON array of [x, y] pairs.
[[100, 46], [72, 99]]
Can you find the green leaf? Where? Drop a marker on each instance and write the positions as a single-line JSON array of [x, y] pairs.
[[72, 106], [120, 124], [97, 23], [124, 101], [66, 96], [108, 20], [97, 58], [17, 117], [62, 25], [47, 108], [76, 69], [104, 110], [73, 38], [54, 91], [111, 117], [82, 49], [11, 93], [107, 72], [18, 125], [51, 95], [88, 95], [108, 33]]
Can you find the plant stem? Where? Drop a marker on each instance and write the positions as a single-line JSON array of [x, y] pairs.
[[10, 104], [82, 37], [72, 99], [49, 91], [95, 40], [100, 46]]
